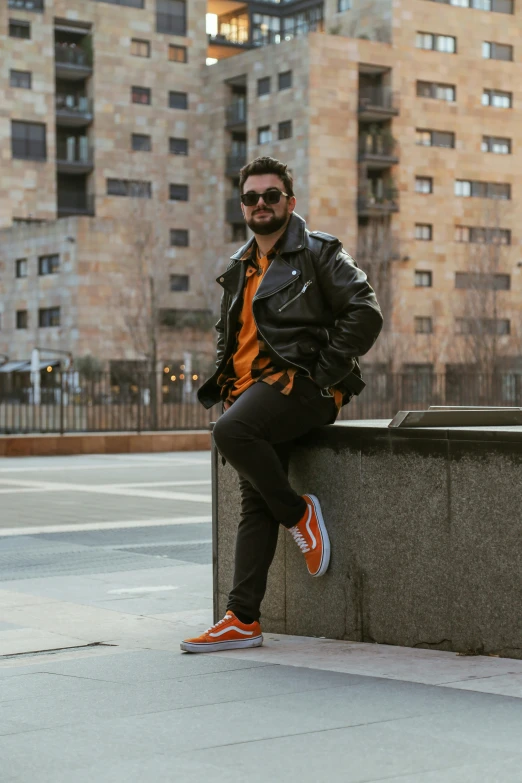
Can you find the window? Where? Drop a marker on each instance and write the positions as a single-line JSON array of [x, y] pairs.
[[171, 17], [140, 95], [141, 142], [423, 279], [178, 100], [423, 325], [495, 51], [178, 192], [179, 282], [480, 280], [424, 232], [28, 140], [179, 237], [264, 135], [285, 130], [130, 3], [177, 54], [239, 232], [20, 79], [19, 29], [441, 92], [429, 138], [480, 326], [48, 316], [22, 319], [423, 184], [344, 5], [21, 267], [140, 48], [27, 5], [479, 235], [497, 145], [438, 43], [178, 146], [285, 80], [49, 265], [263, 85], [133, 188], [497, 98], [472, 188]]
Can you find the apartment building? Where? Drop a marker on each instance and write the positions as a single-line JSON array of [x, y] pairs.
[[101, 147], [400, 122]]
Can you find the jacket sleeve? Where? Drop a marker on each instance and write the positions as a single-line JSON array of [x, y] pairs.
[[220, 329], [354, 306]]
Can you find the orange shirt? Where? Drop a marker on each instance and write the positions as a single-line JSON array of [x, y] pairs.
[[248, 342]]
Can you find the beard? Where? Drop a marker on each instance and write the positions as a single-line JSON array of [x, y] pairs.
[[266, 227]]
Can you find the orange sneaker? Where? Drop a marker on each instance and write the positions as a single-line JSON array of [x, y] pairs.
[[228, 634], [311, 536]]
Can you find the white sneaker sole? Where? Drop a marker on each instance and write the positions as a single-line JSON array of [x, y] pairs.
[[234, 644], [325, 559]]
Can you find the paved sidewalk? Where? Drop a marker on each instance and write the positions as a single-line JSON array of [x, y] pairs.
[[117, 701]]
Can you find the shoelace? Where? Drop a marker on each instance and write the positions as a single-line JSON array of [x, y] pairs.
[[225, 619], [300, 540]]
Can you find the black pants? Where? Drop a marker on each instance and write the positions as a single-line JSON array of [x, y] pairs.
[[255, 435]]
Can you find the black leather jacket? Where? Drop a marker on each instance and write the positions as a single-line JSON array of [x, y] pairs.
[[314, 309]]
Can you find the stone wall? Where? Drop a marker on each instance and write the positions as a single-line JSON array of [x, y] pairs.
[[425, 531]]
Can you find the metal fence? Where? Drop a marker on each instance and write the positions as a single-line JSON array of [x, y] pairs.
[[72, 403]]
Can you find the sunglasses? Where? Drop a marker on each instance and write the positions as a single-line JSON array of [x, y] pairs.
[[269, 197]]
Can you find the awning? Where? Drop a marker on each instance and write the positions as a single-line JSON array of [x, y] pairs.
[[25, 366], [13, 366]]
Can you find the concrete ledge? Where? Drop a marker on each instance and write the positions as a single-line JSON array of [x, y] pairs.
[[426, 533], [46, 445]]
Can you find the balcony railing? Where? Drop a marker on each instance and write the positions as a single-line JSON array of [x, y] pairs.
[[74, 153], [26, 5], [237, 113], [72, 55], [233, 210], [378, 99], [234, 163], [370, 203], [233, 38], [74, 111], [377, 150], [75, 203]]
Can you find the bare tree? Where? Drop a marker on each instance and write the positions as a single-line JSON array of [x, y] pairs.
[[482, 341]]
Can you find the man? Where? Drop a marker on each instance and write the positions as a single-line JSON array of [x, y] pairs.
[[296, 312]]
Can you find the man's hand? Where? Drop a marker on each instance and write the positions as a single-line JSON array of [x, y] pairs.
[[226, 405]]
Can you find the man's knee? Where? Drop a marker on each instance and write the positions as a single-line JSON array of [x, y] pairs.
[[227, 430]]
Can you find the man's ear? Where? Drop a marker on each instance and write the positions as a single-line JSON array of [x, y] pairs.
[[292, 201]]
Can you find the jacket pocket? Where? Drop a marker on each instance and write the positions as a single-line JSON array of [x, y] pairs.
[[301, 292]]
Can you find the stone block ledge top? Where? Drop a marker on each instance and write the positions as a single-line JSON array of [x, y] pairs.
[[370, 429]]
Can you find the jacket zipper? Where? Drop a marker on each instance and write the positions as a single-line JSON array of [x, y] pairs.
[[303, 289], [263, 336]]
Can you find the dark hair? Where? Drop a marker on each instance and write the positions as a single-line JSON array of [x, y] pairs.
[[267, 166]]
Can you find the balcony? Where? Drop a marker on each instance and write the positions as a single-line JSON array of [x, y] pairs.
[[73, 111], [233, 211], [75, 203], [234, 163], [377, 151], [73, 155], [26, 5], [376, 203], [237, 115], [72, 62], [377, 103]]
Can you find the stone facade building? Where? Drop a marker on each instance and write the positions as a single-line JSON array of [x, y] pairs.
[[120, 151]]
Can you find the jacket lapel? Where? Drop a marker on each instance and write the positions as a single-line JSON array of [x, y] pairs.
[[278, 275]]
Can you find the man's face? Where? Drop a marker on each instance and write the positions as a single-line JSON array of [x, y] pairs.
[[265, 218]]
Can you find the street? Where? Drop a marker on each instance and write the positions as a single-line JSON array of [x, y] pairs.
[[105, 565]]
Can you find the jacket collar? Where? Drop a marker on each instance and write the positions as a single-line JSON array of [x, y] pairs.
[[292, 240]]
